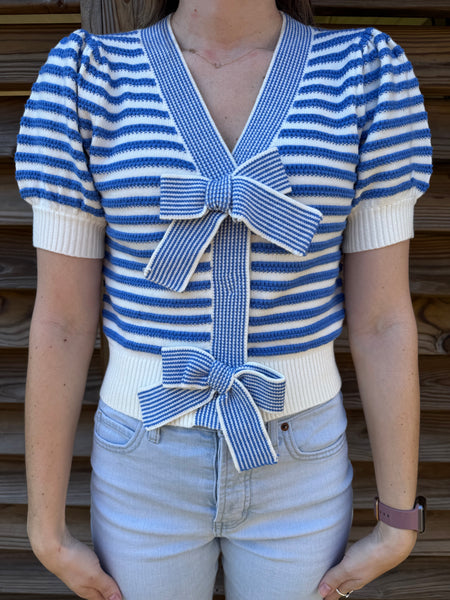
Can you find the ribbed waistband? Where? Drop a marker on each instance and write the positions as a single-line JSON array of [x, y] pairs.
[[312, 378]]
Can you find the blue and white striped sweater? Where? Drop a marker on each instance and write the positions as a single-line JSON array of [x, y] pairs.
[[107, 152]]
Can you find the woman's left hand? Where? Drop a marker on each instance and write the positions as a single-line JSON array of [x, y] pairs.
[[383, 549]]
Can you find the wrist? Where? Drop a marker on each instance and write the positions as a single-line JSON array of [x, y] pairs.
[[400, 518], [46, 541]]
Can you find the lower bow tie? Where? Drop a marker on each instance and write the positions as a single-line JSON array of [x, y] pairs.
[[192, 378], [255, 193]]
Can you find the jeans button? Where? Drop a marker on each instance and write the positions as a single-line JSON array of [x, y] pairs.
[[284, 426]]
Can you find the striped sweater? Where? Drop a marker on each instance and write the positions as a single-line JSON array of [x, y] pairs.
[[222, 270]]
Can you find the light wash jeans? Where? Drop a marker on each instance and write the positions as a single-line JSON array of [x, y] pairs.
[[166, 503]]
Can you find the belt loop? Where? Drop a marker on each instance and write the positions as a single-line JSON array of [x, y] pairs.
[[153, 435]]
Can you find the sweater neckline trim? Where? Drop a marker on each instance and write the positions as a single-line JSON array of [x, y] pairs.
[[200, 95], [191, 115]]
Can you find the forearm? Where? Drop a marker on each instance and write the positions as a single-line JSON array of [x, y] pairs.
[[387, 371], [58, 364]]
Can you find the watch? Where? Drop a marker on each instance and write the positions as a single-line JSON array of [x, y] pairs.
[[403, 519]]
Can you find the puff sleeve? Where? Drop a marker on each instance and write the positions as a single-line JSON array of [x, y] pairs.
[[52, 166], [395, 151]]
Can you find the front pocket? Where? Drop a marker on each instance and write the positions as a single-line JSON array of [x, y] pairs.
[[116, 431], [316, 433]]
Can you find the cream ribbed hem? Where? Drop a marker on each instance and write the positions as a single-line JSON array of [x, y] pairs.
[[312, 377], [68, 231], [377, 224]]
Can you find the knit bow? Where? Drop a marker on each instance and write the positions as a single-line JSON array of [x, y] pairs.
[[192, 378], [253, 193]]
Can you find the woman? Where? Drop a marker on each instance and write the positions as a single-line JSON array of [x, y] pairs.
[[233, 155]]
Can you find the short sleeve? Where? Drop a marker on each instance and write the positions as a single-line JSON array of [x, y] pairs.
[[395, 148], [52, 165]]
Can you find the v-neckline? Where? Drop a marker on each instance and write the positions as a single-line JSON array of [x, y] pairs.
[[199, 95], [190, 114]]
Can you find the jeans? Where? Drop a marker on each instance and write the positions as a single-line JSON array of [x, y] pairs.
[[167, 503]]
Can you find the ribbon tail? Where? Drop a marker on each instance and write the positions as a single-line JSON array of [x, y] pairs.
[[244, 429], [275, 216], [177, 255], [160, 405]]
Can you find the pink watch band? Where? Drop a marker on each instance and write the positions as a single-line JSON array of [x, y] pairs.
[[402, 519]]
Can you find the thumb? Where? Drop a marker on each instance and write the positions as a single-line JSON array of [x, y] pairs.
[[336, 577], [109, 588]]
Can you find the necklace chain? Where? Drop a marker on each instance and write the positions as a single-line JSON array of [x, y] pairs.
[[219, 65]]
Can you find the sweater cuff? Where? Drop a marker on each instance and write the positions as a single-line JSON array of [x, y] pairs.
[[68, 231], [374, 226]]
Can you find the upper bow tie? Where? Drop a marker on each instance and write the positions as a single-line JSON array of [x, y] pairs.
[[254, 193], [192, 378]]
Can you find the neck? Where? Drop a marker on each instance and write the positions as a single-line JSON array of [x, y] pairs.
[[226, 24]]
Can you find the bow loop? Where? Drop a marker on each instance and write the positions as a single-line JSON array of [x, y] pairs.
[[255, 194], [192, 378]]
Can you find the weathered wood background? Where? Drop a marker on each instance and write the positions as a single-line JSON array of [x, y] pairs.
[[28, 29]]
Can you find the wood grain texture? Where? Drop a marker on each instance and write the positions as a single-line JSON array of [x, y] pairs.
[[428, 48], [416, 579], [435, 441], [429, 261], [13, 365], [432, 315], [13, 535], [432, 211], [434, 483], [33, 7], [19, 63], [439, 8], [15, 315], [434, 382], [409, 8]]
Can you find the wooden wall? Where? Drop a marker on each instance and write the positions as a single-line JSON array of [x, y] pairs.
[[28, 29]]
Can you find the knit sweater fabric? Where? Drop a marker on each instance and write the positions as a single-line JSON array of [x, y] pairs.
[[222, 270]]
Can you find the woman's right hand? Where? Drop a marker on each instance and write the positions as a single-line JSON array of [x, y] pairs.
[[79, 568]]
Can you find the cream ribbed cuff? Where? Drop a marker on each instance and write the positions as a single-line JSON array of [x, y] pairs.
[[68, 231], [374, 224], [312, 378]]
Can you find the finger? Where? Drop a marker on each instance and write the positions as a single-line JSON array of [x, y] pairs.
[[337, 577], [109, 588]]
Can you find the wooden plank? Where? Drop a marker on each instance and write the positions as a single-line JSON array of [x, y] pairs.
[[12, 435], [428, 49], [434, 382], [434, 542], [19, 63], [13, 210], [435, 439], [432, 315], [415, 579], [13, 526], [16, 308], [13, 365], [15, 314], [429, 263], [22, 7], [409, 8], [13, 531], [13, 482], [438, 111], [432, 212], [434, 483]]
